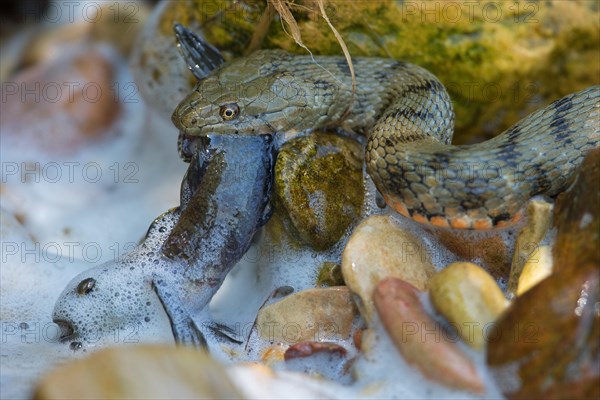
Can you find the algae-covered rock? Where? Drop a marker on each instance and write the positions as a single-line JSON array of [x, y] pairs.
[[499, 60], [318, 182], [330, 274]]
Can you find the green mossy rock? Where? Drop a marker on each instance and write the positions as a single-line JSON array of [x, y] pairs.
[[330, 274], [319, 185], [499, 60]]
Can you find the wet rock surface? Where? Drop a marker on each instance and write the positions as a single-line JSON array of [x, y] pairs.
[[577, 218], [40, 111], [380, 248], [537, 267], [139, 372], [330, 274], [309, 315], [435, 354], [539, 219], [469, 298], [547, 343], [318, 184]]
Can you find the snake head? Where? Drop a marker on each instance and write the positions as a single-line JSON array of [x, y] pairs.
[[250, 96]]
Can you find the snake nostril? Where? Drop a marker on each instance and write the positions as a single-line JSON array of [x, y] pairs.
[[66, 329]]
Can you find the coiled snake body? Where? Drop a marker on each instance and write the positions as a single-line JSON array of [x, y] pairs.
[[407, 116]]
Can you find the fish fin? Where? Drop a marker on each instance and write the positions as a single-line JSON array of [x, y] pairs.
[[201, 57], [185, 330]]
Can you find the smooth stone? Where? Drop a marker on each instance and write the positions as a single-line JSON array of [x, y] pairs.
[[537, 268], [273, 354], [261, 382], [319, 186], [547, 342], [379, 248], [469, 298], [539, 218], [310, 315], [143, 372], [307, 349], [421, 341], [57, 120], [323, 359]]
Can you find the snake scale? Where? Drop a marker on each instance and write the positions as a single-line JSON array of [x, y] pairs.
[[407, 116]]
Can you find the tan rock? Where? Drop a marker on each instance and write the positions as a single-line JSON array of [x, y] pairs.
[[539, 217], [421, 341], [537, 267], [257, 381], [273, 354], [62, 105], [142, 372], [309, 315], [380, 248], [469, 298]]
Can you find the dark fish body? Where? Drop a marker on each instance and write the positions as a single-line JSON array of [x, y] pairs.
[[225, 200]]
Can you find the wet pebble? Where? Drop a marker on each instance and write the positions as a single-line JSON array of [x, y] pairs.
[[309, 315], [537, 267], [307, 349], [539, 218], [469, 298], [380, 248], [421, 341], [147, 371], [57, 119]]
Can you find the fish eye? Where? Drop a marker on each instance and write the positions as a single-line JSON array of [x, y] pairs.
[[86, 286], [229, 111]]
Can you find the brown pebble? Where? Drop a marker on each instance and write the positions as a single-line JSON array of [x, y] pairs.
[[421, 341], [306, 349]]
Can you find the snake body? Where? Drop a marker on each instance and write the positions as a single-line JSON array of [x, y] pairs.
[[408, 119]]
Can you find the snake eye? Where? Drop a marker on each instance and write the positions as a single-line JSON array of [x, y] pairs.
[[229, 111], [86, 286]]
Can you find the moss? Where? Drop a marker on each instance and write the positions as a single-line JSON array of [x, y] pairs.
[[330, 274], [318, 182], [499, 60]]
